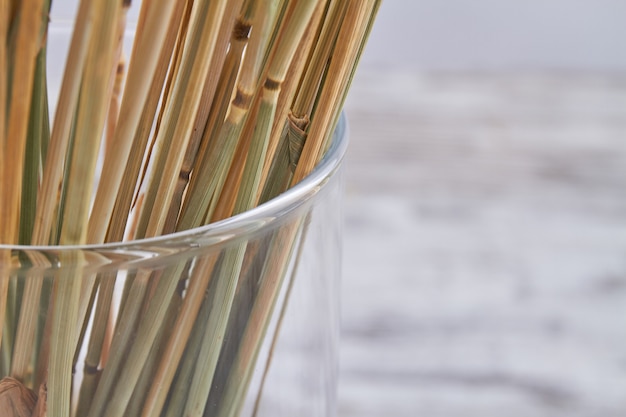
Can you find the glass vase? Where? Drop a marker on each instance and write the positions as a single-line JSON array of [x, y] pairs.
[[239, 317]]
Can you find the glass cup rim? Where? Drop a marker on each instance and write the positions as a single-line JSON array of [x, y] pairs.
[[249, 221]]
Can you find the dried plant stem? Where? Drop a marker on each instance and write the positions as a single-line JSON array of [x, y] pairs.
[[229, 190], [180, 114], [274, 271], [279, 323], [285, 150], [132, 170], [67, 291], [51, 179], [214, 332], [27, 47], [345, 57], [222, 207], [119, 347], [259, 251], [269, 284], [346, 84], [141, 71], [89, 286], [4, 35], [212, 162], [179, 336], [41, 374], [174, 59], [5, 256], [96, 343], [179, 117], [89, 126], [233, 257], [289, 37], [180, 387], [13, 144], [41, 407], [37, 137], [5, 260], [276, 183], [119, 72], [116, 232], [53, 168], [360, 40], [308, 91], [177, 340], [213, 101], [144, 384], [123, 202], [25, 336], [119, 382]]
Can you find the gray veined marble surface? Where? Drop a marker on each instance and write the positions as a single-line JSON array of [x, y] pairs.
[[485, 246]]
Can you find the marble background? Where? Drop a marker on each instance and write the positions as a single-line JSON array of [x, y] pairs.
[[485, 230], [485, 245]]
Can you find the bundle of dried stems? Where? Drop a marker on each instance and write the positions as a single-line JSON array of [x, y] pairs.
[[223, 105]]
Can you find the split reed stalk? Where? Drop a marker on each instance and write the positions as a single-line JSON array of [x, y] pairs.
[[286, 144], [349, 44], [51, 180], [292, 31], [143, 65], [213, 100], [213, 162], [90, 120], [13, 143], [179, 118]]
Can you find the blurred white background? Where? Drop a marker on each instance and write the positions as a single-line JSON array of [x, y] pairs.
[[499, 35], [485, 34], [485, 239]]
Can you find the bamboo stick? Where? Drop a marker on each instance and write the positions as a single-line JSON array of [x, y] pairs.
[[233, 258], [267, 293], [182, 328], [213, 101], [345, 57], [180, 387], [26, 51], [280, 179], [12, 147], [180, 115], [257, 254], [286, 145], [96, 343], [266, 305], [4, 63], [211, 166], [124, 201], [52, 176], [38, 133], [143, 65], [89, 126], [282, 246]]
